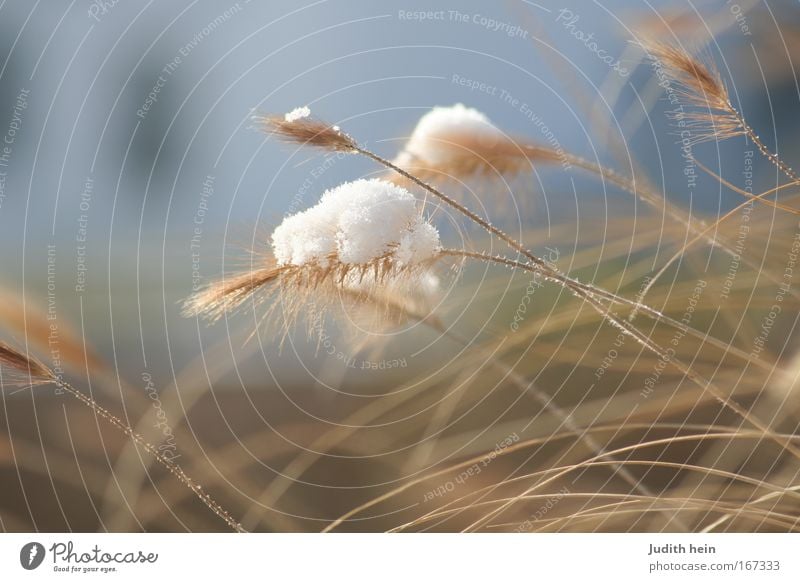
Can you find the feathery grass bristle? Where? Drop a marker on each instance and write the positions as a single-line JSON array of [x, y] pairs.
[[296, 288], [225, 295], [24, 370]]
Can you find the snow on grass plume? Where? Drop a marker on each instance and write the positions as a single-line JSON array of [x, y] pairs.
[[433, 138], [357, 224], [297, 113], [364, 240], [460, 141]]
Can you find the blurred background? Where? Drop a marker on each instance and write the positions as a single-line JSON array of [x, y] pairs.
[[132, 174]]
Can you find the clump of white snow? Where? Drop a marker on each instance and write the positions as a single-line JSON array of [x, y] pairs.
[[418, 244], [354, 224], [429, 141], [297, 113]]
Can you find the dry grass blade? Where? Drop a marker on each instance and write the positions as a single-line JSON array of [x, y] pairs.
[[637, 306], [671, 505], [676, 505], [558, 473], [704, 234], [760, 198], [555, 473], [766, 497]]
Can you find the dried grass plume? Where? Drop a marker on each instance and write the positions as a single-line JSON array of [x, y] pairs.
[[709, 114], [301, 128]]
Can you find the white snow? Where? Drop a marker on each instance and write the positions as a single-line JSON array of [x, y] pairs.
[[297, 113], [428, 142], [418, 244], [355, 223]]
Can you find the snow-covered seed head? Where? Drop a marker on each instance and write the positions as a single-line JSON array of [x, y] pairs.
[[364, 241], [459, 141], [435, 137], [356, 225]]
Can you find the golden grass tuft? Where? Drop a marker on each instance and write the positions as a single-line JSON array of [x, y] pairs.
[[295, 287]]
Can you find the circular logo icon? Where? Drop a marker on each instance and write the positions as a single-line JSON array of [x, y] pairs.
[[31, 555]]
